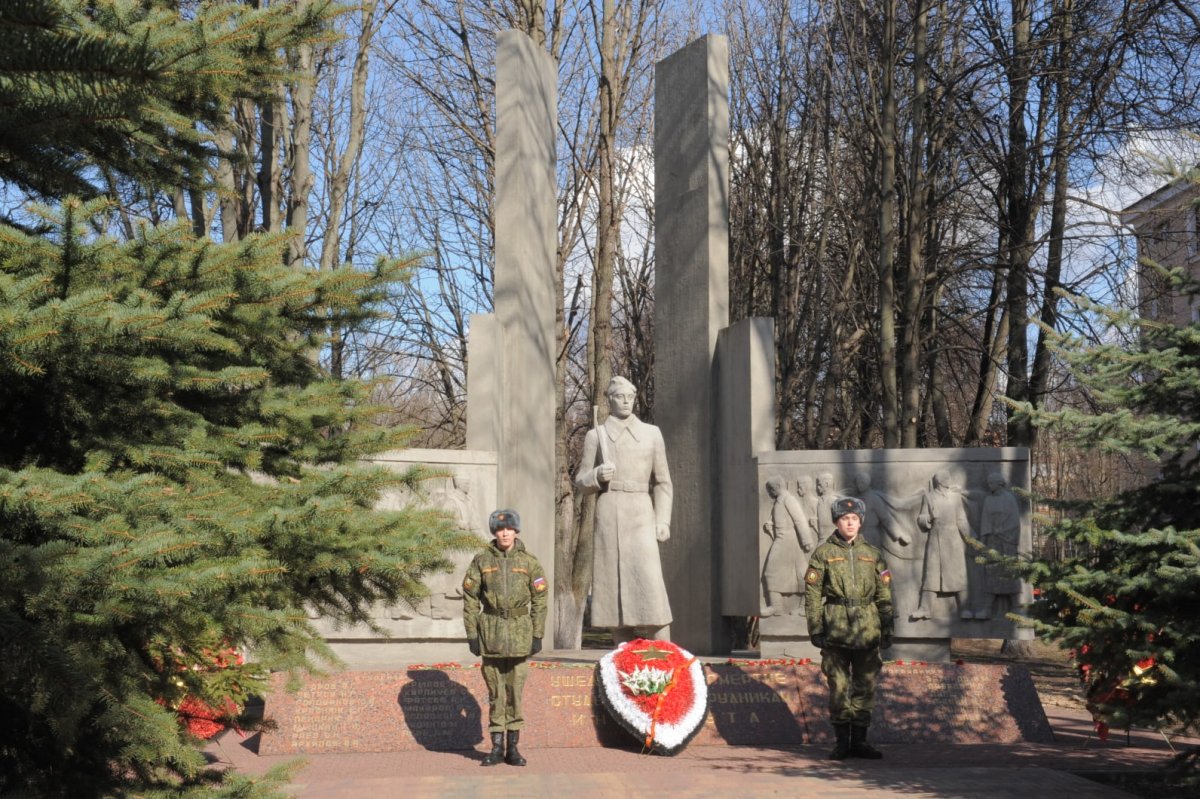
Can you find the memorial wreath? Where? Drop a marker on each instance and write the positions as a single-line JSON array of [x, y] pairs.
[[655, 690]]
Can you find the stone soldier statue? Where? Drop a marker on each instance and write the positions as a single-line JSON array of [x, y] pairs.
[[944, 515], [848, 598], [791, 537], [625, 460], [504, 613]]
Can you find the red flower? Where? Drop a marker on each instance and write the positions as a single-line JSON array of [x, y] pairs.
[[678, 697], [202, 720]]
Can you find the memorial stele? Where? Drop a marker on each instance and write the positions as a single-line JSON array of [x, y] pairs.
[[735, 545]]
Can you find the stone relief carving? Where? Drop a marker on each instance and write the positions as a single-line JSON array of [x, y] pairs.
[[1000, 530], [924, 522], [826, 494], [943, 516], [456, 495], [792, 537]]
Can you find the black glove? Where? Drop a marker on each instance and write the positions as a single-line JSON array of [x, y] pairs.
[[537, 646], [473, 645], [885, 642], [818, 640]]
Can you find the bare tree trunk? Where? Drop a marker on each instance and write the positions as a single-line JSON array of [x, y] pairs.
[[226, 188], [914, 278], [340, 180], [268, 170], [886, 151], [1018, 220], [299, 159], [1040, 378]]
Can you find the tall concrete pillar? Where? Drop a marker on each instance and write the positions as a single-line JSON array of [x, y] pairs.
[[526, 235], [485, 346], [691, 243], [746, 427]]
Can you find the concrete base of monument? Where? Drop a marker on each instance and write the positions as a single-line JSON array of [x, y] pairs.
[[930, 650], [397, 653], [751, 703]]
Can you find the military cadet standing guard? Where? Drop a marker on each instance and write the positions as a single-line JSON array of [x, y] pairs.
[[848, 601], [504, 612]]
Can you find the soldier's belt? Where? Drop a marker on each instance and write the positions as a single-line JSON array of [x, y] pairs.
[[628, 486], [847, 602], [507, 613]]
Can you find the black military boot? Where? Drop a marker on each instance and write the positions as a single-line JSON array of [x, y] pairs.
[[496, 756], [859, 746], [514, 757], [841, 750]]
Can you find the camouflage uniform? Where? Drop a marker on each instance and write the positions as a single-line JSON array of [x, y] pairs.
[[504, 607], [848, 600]]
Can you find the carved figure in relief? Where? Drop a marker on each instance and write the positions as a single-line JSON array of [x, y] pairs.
[[888, 520], [825, 496], [791, 537], [445, 590], [625, 462], [943, 515], [807, 493], [1000, 530]]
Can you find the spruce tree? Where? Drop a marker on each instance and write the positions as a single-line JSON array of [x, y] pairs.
[[176, 479], [1126, 601], [132, 88], [180, 484]]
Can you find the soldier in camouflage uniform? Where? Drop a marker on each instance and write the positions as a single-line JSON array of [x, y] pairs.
[[504, 612], [848, 600]]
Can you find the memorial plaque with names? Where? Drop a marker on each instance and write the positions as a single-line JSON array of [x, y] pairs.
[[751, 703]]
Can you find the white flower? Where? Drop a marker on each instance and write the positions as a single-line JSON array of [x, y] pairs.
[[645, 680]]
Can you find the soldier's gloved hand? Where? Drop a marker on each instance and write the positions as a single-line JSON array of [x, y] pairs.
[[473, 645], [818, 640], [537, 646], [885, 641]]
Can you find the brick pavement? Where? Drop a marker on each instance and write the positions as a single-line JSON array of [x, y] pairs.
[[978, 771]]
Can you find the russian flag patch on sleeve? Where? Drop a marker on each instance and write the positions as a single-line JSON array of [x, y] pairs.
[[539, 584]]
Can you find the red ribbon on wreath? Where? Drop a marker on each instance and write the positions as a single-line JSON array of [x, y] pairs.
[[658, 703]]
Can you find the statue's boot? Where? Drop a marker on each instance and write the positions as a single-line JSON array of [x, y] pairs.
[[496, 756]]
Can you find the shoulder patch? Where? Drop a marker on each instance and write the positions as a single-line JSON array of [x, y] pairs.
[[467, 584], [812, 576], [886, 576], [539, 584]]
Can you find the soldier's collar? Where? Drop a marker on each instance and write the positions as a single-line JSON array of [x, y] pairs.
[[614, 426]]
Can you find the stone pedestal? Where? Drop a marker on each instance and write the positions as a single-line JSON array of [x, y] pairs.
[[750, 703]]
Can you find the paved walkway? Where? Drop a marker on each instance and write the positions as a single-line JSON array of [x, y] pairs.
[[1018, 771]]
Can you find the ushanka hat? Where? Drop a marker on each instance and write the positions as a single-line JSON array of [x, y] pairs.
[[846, 505], [504, 518]]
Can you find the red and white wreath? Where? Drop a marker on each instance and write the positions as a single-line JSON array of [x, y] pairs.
[[655, 690]]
